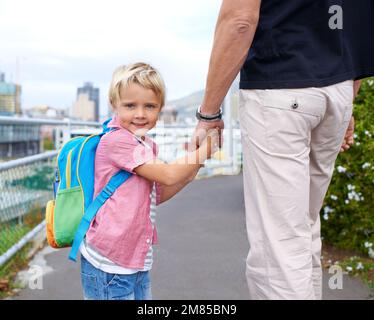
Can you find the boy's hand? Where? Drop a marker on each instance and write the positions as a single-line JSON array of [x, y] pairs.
[[210, 144]]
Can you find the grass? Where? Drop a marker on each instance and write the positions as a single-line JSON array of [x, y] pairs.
[[359, 267], [9, 271], [352, 262], [10, 234]]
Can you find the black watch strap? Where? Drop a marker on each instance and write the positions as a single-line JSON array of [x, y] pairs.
[[208, 117]]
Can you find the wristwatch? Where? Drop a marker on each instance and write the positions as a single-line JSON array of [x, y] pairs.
[[208, 117]]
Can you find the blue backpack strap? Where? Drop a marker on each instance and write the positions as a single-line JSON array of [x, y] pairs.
[[114, 182], [105, 126]]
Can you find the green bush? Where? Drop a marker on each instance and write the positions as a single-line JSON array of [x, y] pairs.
[[348, 212], [40, 180], [48, 144]]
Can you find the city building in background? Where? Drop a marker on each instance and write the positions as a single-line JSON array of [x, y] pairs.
[[10, 97], [46, 112], [84, 108], [93, 95], [15, 140], [47, 132], [19, 140]]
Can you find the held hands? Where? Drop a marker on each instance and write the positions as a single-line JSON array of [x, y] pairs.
[[202, 130], [209, 145], [207, 139]]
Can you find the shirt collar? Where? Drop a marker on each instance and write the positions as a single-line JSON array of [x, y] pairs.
[[114, 123]]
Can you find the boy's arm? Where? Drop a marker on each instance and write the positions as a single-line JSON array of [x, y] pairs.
[[168, 192], [170, 174], [183, 168]]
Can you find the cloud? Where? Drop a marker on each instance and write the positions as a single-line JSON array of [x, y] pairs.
[[66, 43]]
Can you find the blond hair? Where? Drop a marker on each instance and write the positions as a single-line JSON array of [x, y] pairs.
[[139, 73]]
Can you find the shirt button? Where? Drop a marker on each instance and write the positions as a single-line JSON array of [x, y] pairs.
[[148, 240]]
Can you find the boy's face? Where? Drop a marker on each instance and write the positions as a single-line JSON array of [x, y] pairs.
[[137, 109]]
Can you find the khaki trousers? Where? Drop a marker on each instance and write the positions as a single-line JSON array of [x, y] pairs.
[[290, 138]]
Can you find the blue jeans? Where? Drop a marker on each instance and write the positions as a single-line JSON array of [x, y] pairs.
[[100, 285]]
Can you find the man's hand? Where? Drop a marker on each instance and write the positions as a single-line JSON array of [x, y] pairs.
[[348, 139], [356, 88], [201, 131]]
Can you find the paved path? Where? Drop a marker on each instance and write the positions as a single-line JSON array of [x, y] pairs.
[[201, 254]]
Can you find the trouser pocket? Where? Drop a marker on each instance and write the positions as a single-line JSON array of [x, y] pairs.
[[289, 117]]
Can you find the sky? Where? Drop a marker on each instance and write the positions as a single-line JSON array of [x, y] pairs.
[[52, 47]]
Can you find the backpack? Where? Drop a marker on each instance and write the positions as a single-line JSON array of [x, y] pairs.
[[69, 214]]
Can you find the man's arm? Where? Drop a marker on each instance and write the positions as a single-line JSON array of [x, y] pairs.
[[235, 29]]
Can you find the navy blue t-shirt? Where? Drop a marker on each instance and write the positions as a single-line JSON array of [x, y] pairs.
[[295, 47]]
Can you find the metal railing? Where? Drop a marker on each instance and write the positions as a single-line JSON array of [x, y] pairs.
[[25, 185], [40, 121]]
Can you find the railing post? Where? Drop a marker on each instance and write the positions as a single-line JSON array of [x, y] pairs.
[[66, 133]]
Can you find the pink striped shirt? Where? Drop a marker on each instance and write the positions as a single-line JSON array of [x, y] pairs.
[[122, 230]]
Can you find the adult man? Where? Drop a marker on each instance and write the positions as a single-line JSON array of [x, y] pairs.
[[300, 63]]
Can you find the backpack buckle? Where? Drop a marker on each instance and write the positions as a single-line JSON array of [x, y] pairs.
[[108, 190]]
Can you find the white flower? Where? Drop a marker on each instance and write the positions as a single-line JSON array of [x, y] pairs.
[[359, 266], [326, 216], [348, 268], [341, 169], [355, 135], [358, 143], [368, 244], [366, 165], [353, 195], [346, 201], [327, 210], [334, 197], [371, 253], [370, 82], [350, 187], [368, 133]]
